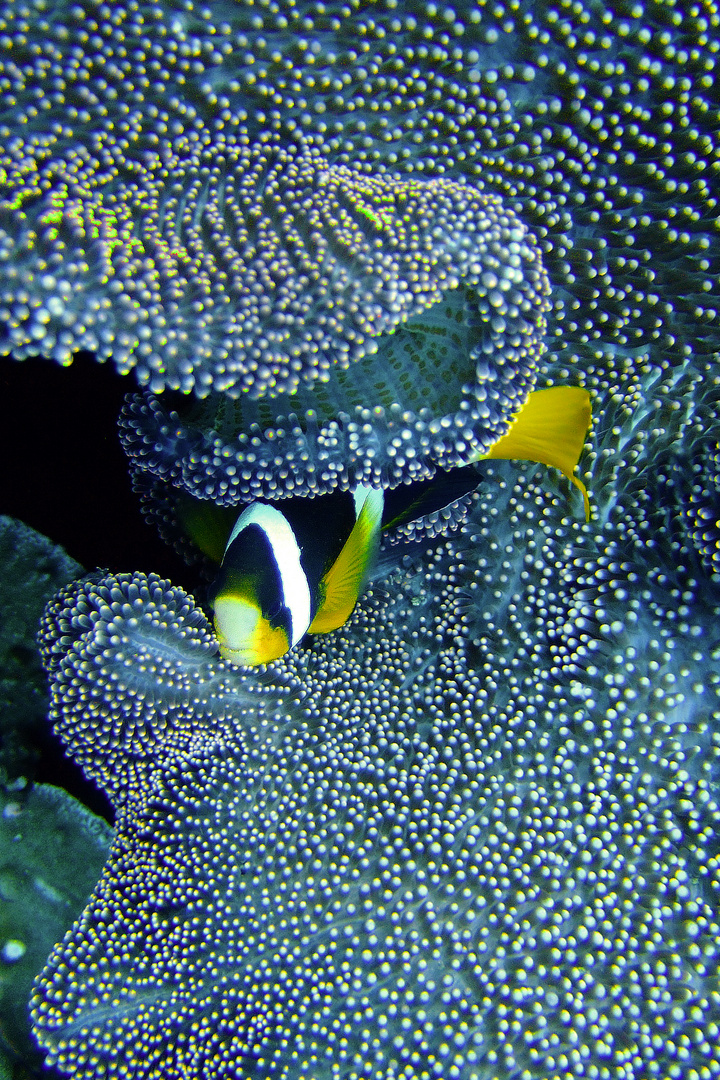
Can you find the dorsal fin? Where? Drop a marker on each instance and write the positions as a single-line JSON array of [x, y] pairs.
[[408, 502]]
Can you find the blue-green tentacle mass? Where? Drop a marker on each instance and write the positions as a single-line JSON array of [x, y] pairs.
[[473, 833]]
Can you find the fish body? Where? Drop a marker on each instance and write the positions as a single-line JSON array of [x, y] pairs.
[[298, 566], [291, 569]]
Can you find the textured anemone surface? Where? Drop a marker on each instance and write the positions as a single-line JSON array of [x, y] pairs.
[[472, 834], [597, 124], [458, 336], [142, 226], [477, 836], [433, 389], [701, 507], [124, 125]]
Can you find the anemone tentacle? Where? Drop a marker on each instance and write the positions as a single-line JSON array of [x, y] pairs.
[[479, 838], [495, 797], [491, 794]]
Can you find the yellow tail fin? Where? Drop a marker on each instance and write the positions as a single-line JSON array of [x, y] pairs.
[[551, 428]]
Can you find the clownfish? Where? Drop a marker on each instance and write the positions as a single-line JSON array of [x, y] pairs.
[[293, 571], [298, 566]]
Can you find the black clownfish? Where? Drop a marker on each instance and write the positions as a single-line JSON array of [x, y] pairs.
[[299, 566], [292, 571]]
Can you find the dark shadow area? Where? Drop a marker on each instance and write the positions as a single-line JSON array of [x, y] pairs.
[[55, 767], [63, 472], [63, 469]]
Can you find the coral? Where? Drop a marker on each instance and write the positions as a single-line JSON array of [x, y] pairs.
[[32, 569], [51, 852]]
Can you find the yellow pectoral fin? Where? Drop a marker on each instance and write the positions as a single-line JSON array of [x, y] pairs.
[[340, 588], [551, 428]]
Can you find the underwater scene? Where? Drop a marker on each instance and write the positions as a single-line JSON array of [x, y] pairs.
[[359, 540]]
